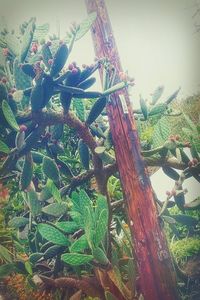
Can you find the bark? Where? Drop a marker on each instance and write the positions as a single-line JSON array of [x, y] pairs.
[[157, 276]]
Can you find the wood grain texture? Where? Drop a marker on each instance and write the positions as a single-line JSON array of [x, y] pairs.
[[157, 276]]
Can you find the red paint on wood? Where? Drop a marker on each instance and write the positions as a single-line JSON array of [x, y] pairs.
[[157, 276]]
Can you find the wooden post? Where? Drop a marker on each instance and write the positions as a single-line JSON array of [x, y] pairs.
[[157, 276]]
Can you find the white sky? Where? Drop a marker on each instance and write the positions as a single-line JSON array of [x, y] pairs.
[[155, 39]]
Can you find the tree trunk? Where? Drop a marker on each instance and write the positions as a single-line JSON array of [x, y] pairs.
[[157, 276]]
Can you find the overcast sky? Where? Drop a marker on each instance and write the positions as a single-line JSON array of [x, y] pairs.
[[155, 38]]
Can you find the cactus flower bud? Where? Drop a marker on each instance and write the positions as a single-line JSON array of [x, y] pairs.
[[71, 66], [74, 71], [173, 192], [4, 79], [190, 164], [50, 61], [22, 128], [5, 51], [195, 161]]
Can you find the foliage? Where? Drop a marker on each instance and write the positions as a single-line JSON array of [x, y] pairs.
[[184, 248], [63, 217]]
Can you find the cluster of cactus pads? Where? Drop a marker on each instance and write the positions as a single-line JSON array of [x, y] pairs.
[[63, 234], [67, 231]]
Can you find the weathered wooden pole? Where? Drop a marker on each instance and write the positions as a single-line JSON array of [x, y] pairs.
[[157, 276]]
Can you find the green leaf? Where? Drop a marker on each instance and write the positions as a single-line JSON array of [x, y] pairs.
[[4, 148], [80, 244], [18, 222], [9, 116], [5, 254], [28, 267], [52, 234], [68, 226], [6, 270], [76, 259], [109, 296], [85, 25], [55, 209]]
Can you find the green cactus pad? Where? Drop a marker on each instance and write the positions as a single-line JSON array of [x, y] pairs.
[[68, 226], [50, 169], [9, 116], [57, 131], [37, 157], [27, 172], [59, 60], [144, 108], [85, 25], [34, 257], [55, 209], [53, 251], [79, 108], [47, 55], [80, 244], [18, 222], [171, 173], [76, 259], [87, 83], [22, 81], [185, 220], [100, 256], [96, 110], [84, 154], [101, 227], [27, 39], [52, 234], [34, 203], [37, 97], [28, 70]]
